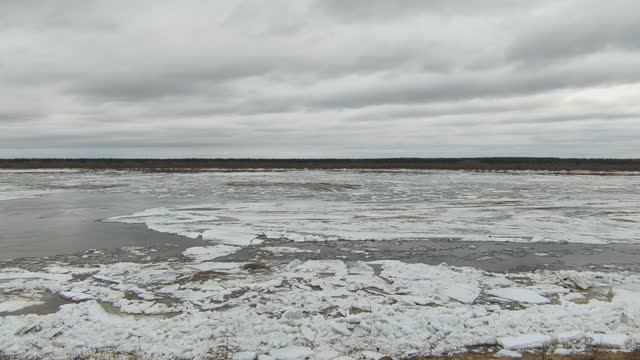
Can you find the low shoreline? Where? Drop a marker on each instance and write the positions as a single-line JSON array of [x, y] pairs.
[[478, 164]]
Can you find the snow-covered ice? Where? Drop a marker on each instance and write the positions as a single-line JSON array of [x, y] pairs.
[[25, 275], [526, 341], [465, 294], [232, 235], [75, 296], [204, 253], [15, 305], [244, 355], [615, 341], [198, 305], [284, 250], [520, 295], [317, 309], [519, 206], [291, 353]]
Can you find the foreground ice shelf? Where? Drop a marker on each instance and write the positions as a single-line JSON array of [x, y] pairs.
[[319, 309]]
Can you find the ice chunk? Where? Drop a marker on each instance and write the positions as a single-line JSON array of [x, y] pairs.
[[106, 279], [360, 268], [204, 253], [286, 250], [580, 281], [143, 307], [523, 342], [291, 353], [508, 353], [15, 305], [372, 355], [616, 341], [232, 236], [329, 307], [75, 296], [70, 270], [573, 296], [341, 329], [465, 293], [11, 275], [520, 295], [336, 267], [292, 314], [325, 352], [563, 351], [569, 336], [244, 355], [218, 266], [154, 275], [307, 333]]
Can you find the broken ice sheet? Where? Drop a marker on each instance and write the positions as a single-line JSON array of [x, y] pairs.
[[204, 253], [520, 295], [323, 306], [11, 305], [286, 250]]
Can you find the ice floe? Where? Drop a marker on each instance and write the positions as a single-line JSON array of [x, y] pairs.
[[520, 207], [244, 355], [75, 296], [319, 309], [291, 353], [286, 250], [204, 253], [612, 341], [25, 275], [15, 305], [526, 341], [520, 295], [464, 294], [326, 205]]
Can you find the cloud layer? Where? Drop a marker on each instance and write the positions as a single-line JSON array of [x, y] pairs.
[[319, 78]]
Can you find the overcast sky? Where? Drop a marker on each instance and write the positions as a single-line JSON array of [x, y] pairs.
[[324, 78]]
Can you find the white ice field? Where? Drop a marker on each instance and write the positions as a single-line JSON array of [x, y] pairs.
[[317, 205], [198, 306]]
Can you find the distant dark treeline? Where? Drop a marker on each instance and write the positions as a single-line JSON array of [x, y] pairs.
[[504, 163]]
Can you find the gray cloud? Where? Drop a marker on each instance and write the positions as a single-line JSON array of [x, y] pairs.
[[319, 78], [368, 10], [561, 33]]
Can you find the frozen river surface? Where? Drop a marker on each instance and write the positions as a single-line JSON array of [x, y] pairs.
[[237, 207], [316, 264]]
